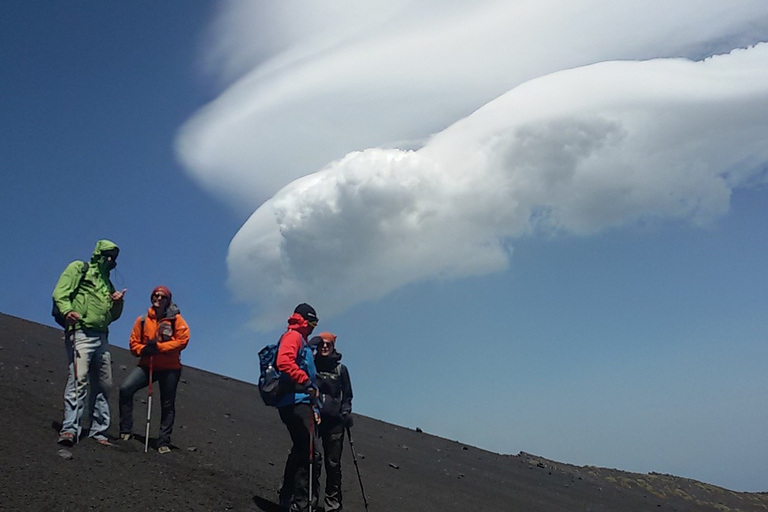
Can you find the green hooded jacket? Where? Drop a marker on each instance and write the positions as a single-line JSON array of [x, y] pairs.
[[93, 299]]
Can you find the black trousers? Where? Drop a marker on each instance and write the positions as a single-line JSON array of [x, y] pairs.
[[168, 381], [299, 421], [333, 443]]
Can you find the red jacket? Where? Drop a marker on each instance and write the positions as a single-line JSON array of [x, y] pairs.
[[290, 344], [168, 356]]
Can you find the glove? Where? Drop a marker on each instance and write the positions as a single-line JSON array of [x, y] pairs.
[[152, 341], [149, 349], [304, 388], [315, 342], [309, 389], [346, 420]]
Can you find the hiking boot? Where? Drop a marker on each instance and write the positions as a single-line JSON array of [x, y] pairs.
[[126, 437], [164, 449], [66, 439]]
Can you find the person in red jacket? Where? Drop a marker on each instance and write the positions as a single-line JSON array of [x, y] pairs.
[[297, 410], [158, 338]]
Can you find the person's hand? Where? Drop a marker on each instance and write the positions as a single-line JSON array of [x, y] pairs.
[[149, 349], [152, 341], [72, 318], [318, 420], [346, 420], [315, 342], [117, 296], [308, 388]]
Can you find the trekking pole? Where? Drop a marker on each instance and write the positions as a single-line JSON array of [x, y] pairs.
[[357, 467], [311, 452], [70, 333], [149, 405]]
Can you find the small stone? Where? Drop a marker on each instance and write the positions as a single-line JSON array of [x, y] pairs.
[[192, 449], [394, 466], [65, 454]]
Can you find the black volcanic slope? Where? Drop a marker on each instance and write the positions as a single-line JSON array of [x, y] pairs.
[[230, 449]]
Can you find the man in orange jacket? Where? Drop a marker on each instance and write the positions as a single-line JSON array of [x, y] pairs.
[[158, 338]]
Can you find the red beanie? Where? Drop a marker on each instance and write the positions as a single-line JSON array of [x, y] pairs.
[[327, 336], [162, 289]]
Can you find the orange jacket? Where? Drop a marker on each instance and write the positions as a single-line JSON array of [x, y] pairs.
[[168, 356]]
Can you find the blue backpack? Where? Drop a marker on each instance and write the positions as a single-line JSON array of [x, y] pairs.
[[273, 384]]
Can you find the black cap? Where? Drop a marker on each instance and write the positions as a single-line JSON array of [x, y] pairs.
[[306, 311]]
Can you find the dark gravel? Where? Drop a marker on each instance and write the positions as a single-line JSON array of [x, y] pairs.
[[229, 451]]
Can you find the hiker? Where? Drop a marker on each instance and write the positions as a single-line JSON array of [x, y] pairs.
[[158, 338], [335, 402], [297, 410], [85, 302]]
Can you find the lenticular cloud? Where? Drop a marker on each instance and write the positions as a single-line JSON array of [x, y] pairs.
[[576, 151], [389, 142], [312, 80]]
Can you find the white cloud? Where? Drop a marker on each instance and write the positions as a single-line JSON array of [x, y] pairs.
[[576, 151], [548, 118], [314, 80]]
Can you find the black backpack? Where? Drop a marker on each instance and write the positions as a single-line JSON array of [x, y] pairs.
[[56, 312]]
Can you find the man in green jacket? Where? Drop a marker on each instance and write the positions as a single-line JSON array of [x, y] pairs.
[[87, 300]]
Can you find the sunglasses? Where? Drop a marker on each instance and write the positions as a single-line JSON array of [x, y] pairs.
[[326, 344], [158, 296], [313, 324]]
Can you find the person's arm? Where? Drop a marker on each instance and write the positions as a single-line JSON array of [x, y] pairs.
[[117, 304], [290, 345], [136, 343], [346, 391], [179, 339], [66, 285]]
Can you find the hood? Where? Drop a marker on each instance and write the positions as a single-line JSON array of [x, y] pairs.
[[329, 362], [297, 323], [170, 312], [101, 246]]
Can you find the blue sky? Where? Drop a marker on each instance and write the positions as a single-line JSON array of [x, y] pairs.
[[549, 238]]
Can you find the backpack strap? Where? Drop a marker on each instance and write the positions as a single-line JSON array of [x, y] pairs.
[[80, 281]]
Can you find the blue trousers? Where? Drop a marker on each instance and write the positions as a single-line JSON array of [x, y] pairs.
[[89, 350]]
